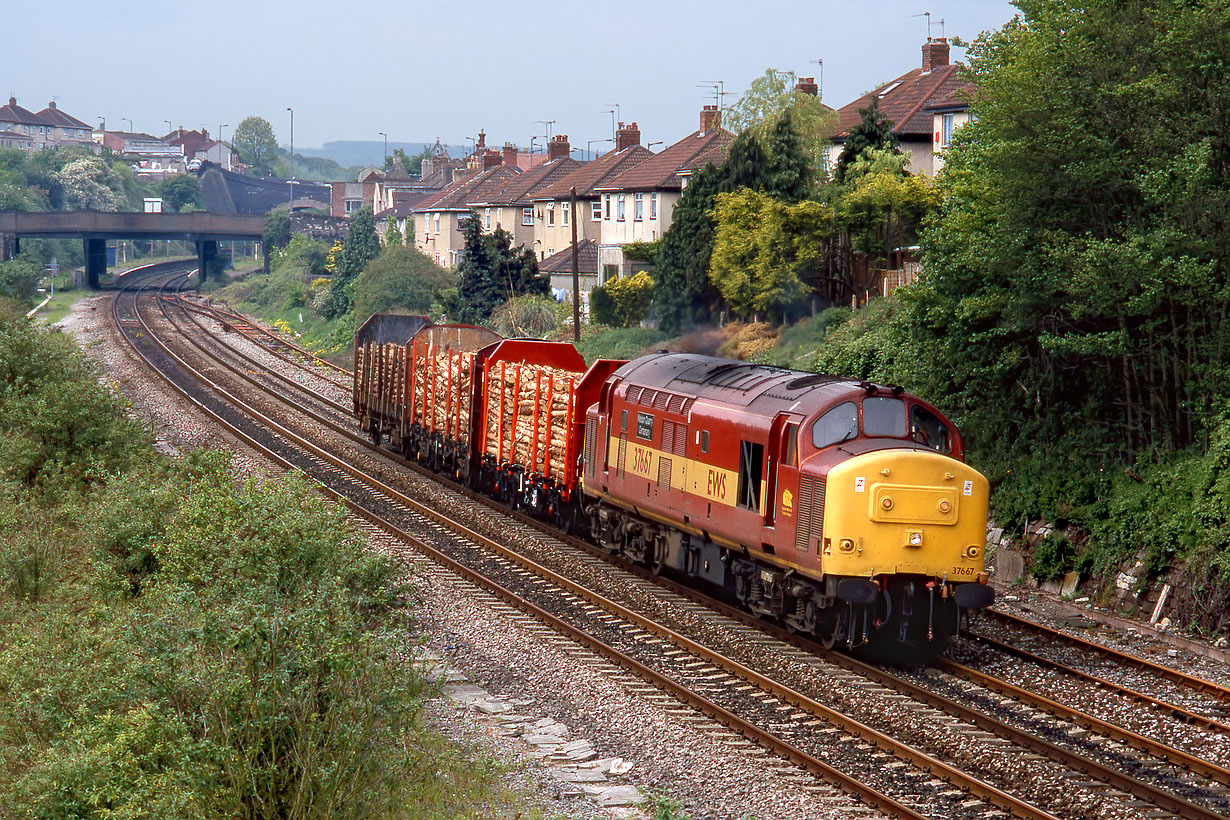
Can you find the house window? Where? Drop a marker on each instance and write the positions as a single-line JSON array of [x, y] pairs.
[[487, 218], [437, 223], [527, 216], [452, 257], [563, 213], [945, 129], [621, 214], [638, 207], [353, 205], [550, 213], [437, 257], [606, 206], [610, 272], [595, 210], [653, 205]]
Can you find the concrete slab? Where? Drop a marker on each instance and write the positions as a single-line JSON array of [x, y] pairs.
[[491, 707], [465, 692], [619, 796], [575, 776]]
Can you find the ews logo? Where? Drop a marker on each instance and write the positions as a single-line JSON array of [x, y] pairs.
[[717, 485]]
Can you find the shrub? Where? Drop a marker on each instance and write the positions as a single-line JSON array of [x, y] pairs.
[[622, 302]]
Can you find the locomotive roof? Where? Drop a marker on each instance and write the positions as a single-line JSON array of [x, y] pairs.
[[733, 382]]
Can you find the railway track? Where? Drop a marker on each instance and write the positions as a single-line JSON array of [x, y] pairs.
[[981, 797]]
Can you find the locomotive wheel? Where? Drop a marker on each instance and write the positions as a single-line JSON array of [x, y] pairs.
[[829, 629]]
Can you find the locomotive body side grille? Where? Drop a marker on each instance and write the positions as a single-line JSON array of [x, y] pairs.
[[591, 433], [619, 463], [664, 473], [810, 517]]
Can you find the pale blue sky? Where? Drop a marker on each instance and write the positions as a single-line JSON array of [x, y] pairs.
[[424, 70]]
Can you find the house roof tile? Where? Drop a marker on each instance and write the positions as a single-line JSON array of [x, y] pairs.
[[561, 262], [456, 197], [904, 100], [593, 174], [15, 113], [517, 191], [661, 171], [54, 116]]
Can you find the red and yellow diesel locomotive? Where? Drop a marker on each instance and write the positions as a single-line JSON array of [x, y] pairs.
[[842, 509]]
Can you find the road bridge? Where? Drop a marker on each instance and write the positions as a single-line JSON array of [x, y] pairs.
[[94, 228]]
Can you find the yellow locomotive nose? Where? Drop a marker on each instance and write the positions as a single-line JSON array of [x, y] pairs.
[[910, 512]]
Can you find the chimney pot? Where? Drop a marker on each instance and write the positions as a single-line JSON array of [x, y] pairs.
[[934, 54], [807, 85], [491, 159], [12, 101], [627, 136], [52, 105], [510, 154], [710, 119], [557, 147]]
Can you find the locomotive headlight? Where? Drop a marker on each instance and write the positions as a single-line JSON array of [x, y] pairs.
[[846, 545], [945, 506], [973, 551], [886, 503], [915, 539]]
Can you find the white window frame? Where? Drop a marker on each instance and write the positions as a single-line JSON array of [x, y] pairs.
[[550, 214], [653, 205], [621, 209], [946, 127], [595, 210], [487, 217], [564, 209], [638, 206], [527, 216]]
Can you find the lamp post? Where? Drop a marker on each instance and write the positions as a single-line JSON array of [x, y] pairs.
[[532, 139], [612, 112], [589, 149], [169, 128], [386, 146], [126, 119], [292, 156]]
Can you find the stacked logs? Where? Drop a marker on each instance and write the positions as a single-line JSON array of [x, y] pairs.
[[528, 407], [379, 378], [441, 400]]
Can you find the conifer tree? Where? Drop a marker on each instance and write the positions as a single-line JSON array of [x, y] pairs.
[[873, 131]]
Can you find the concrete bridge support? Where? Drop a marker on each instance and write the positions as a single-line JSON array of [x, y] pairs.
[[206, 250], [95, 262]]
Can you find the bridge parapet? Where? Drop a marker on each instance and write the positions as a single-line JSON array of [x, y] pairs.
[[194, 226]]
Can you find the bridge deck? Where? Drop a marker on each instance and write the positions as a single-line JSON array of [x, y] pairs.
[[197, 226]]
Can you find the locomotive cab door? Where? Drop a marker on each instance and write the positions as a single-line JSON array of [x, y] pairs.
[[782, 483]]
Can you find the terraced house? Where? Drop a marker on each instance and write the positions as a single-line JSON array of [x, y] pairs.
[[49, 128]]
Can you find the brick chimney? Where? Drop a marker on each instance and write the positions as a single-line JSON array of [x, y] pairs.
[[52, 105], [710, 119], [807, 85], [627, 136], [481, 142], [491, 159], [935, 54], [510, 154], [558, 147]]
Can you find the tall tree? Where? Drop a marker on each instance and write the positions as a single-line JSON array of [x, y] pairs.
[[873, 131], [181, 191], [362, 245], [682, 292], [255, 143], [491, 272], [788, 172]]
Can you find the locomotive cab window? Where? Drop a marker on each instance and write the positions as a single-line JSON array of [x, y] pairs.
[[704, 441], [751, 470], [838, 424], [927, 429], [623, 420], [884, 416]]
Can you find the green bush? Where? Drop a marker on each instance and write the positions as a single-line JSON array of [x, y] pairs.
[[532, 317], [618, 343], [622, 302]]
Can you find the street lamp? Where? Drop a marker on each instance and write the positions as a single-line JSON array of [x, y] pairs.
[[612, 112], [169, 128], [386, 146], [532, 139], [589, 147], [129, 123], [292, 154]]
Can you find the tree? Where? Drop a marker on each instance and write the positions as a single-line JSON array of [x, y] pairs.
[[361, 246], [761, 247], [872, 131], [277, 230], [491, 272], [763, 105], [682, 293], [622, 302], [19, 279], [392, 234], [89, 183], [181, 191], [401, 280], [255, 144], [882, 206]]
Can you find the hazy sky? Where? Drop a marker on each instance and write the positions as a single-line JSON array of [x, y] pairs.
[[418, 71]]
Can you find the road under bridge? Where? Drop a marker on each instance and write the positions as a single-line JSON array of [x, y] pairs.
[[94, 228]]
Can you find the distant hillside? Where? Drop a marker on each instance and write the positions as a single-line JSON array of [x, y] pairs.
[[348, 153]]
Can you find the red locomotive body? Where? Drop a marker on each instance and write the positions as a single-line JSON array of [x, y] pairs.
[[743, 475]]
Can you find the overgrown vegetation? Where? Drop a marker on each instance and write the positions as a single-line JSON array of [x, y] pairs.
[[177, 643]]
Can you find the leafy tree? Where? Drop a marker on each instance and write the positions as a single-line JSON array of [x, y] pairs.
[[181, 191], [622, 302], [361, 247], [764, 104], [277, 230], [682, 292], [19, 279], [392, 234], [255, 143], [491, 272], [761, 247], [788, 172], [882, 206], [401, 280], [872, 131], [89, 183]]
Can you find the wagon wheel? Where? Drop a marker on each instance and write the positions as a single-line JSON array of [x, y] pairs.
[[657, 558], [376, 433]]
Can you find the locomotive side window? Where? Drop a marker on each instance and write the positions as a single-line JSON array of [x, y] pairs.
[[751, 466], [929, 431], [838, 424], [704, 441], [623, 420], [883, 416]]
